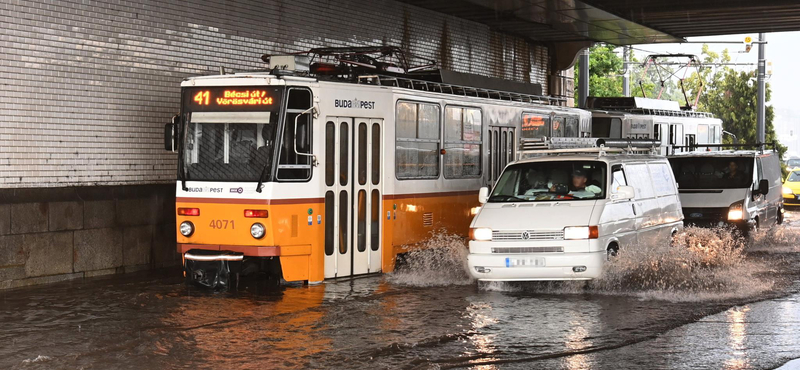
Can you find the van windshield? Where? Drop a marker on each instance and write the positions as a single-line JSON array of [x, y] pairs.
[[546, 181], [713, 172]]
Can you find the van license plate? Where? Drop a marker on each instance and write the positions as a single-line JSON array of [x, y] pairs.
[[525, 262]]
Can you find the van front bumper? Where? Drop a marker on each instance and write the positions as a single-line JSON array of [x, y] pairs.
[[557, 266]]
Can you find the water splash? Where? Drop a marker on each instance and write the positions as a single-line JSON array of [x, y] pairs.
[[779, 239], [700, 264], [441, 260]]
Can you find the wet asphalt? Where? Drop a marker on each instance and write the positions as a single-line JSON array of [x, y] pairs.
[[429, 316]]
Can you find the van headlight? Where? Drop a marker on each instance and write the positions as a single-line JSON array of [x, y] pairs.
[[580, 232], [187, 228], [787, 191], [258, 230], [480, 234], [736, 211]]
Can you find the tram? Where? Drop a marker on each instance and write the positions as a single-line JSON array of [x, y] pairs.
[[661, 120], [310, 179]]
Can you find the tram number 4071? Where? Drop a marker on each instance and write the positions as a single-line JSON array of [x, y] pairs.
[[221, 224]]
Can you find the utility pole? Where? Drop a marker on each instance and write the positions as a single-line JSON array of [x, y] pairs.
[[583, 78], [626, 83], [760, 124]]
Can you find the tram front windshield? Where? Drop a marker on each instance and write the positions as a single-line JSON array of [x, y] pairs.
[[549, 181], [229, 146]]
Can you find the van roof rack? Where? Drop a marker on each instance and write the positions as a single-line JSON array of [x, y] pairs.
[[445, 88], [692, 148], [588, 145]]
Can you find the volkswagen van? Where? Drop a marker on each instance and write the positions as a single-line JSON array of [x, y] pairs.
[[560, 216]]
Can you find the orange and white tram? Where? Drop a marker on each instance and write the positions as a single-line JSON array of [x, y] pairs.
[[309, 179]]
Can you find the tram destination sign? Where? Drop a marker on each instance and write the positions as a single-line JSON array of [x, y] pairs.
[[231, 98]]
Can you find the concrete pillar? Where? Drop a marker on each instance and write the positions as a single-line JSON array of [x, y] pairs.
[[583, 82], [760, 124]]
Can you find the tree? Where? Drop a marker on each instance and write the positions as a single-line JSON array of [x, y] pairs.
[[732, 97], [604, 68]]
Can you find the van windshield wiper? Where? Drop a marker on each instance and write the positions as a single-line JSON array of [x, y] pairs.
[[505, 198]]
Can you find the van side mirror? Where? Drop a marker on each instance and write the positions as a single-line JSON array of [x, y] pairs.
[[763, 186], [169, 137], [624, 193], [483, 195]]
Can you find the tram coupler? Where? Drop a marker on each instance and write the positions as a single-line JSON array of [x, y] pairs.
[[217, 270]]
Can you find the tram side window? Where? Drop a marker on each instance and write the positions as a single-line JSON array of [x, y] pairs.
[[462, 142], [293, 166], [557, 130], [571, 127], [417, 140], [535, 125], [606, 127], [702, 134]]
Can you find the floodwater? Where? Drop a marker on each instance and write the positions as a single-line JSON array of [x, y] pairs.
[[704, 303]]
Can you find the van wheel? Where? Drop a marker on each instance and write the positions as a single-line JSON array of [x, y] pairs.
[[672, 238], [612, 251], [780, 216]]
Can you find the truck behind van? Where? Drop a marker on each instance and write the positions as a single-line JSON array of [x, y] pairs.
[[561, 215], [738, 188]]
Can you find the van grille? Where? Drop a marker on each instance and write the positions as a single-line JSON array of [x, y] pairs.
[[527, 235], [511, 250]]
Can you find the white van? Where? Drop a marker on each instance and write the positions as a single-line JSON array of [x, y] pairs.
[[559, 216], [741, 188]]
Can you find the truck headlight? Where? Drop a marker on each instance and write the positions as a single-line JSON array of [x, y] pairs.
[[258, 230], [480, 234], [735, 211], [787, 191], [187, 228], [580, 232]]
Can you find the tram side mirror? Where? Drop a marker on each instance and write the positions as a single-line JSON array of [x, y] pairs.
[[483, 195], [169, 130], [763, 187], [169, 134]]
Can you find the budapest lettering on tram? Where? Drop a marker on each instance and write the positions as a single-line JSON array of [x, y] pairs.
[[305, 175]]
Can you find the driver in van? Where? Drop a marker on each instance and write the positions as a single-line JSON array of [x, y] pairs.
[[579, 185], [733, 172]]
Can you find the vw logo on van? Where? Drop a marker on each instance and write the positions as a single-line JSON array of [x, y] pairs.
[[526, 235]]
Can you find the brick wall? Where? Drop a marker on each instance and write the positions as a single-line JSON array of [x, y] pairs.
[[88, 85]]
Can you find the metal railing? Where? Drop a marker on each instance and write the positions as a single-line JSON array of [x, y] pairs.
[[440, 87]]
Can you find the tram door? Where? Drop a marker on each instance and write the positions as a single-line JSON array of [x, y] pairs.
[[501, 150], [353, 195]]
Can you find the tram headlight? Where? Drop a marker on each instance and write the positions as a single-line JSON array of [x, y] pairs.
[[187, 228], [258, 230]]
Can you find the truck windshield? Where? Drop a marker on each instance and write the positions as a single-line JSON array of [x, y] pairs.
[[713, 172], [229, 146], [547, 181]]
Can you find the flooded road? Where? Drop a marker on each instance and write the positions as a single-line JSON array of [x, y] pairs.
[[703, 305]]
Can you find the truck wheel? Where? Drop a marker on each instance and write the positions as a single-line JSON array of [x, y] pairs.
[[612, 251]]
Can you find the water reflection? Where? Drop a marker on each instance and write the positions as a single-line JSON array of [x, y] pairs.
[[737, 334]]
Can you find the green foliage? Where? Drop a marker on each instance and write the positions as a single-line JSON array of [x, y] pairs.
[[732, 96], [605, 66]]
